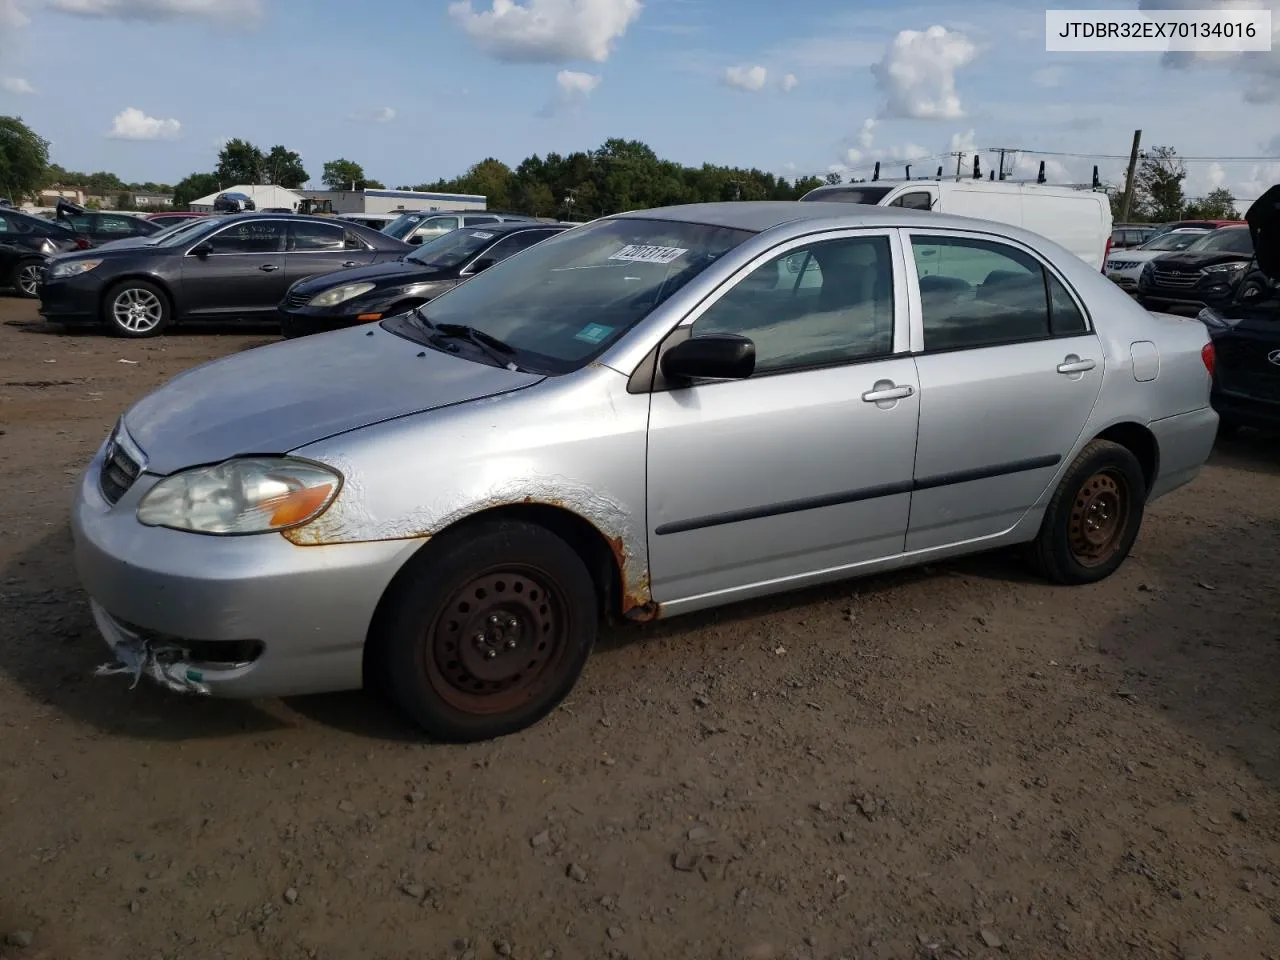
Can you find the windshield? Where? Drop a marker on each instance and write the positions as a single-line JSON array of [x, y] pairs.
[[1173, 241], [1228, 240], [869, 195], [189, 230], [403, 225], [452, 248], [565, 300]]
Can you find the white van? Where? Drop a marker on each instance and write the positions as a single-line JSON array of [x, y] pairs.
[[1077, 219]]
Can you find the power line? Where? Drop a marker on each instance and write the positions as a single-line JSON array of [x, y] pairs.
[[1117, 156]]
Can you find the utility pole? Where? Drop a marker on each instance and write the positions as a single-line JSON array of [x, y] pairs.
[[1127, 202]]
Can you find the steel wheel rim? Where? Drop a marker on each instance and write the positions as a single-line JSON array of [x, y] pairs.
[[29, 279], [1099, 518], [498, 640], [137, 310]]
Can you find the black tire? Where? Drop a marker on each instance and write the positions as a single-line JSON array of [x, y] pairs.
[[24, 274], [147, 304], [1251, 291], [293, 327], [523, 608], [1227, 428], [1094, 516]]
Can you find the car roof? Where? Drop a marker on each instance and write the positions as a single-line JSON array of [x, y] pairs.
[[511, 226], [760, 215]]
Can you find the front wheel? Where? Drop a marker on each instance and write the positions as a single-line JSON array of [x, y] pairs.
[[1094, 516], [486, 631], [27, 278], [136, 309]]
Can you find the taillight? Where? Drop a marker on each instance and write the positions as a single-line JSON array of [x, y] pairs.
[[1105, 254], [1209, 357]]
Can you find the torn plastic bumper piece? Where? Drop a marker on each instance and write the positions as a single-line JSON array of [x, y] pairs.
[[164, 663]]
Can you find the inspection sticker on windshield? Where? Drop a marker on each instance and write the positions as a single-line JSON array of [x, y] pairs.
[[594, 332], [647, 253], [481, 235]]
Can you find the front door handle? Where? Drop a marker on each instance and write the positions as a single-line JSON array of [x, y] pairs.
[[268, 268], [1073, 364], [890, 392], [351, 263]]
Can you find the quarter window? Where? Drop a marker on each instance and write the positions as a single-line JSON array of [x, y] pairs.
[[1065, 317], [919, 200], [305, 236], [976, 293], [828, 303], [254, 236], [436, 226]]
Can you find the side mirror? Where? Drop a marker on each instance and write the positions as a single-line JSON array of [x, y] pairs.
[[416, 239], [484, 263], [717, 356], [202, 249]]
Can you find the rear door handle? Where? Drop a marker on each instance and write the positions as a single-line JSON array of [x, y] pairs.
[[1074, 364], [268, 268], [881, 394]]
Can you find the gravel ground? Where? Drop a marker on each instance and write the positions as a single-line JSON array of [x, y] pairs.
[[959, 761]]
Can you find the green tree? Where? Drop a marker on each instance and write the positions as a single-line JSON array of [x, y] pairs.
[[1216, 205], [1158, 184], [240, 161], [537, 199], [803, 185], [24, 157], [831, 178], [124, 201], [284, 168], [342, 174], [193, 187], [374, 185]]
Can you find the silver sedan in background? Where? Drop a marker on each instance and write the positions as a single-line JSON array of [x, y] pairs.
[[654, 413]]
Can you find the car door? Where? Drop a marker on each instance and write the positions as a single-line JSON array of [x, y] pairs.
[[805, 466], [1009, 373], [236, 271], [316, 248]]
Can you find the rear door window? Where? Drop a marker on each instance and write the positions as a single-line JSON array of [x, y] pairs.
[[255, 236], [306, 237]]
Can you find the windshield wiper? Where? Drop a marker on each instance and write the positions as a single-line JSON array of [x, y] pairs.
[[496, 350]]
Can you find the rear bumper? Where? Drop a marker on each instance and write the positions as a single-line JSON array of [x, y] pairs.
[[1185, 442], [1248, 411]]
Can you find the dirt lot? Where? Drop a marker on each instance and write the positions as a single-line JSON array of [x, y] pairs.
[[960, 761]]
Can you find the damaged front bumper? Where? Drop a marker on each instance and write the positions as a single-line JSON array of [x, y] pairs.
[[166, 664]]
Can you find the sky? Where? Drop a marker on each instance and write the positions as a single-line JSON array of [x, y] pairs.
[[416, 90]]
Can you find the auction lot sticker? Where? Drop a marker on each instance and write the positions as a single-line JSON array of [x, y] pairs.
[[1220, 30], [647, 253]]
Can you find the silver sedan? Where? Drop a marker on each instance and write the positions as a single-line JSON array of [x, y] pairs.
[[651, 414]]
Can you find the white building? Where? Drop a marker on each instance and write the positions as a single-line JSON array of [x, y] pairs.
[[394, 201], [264, 197]]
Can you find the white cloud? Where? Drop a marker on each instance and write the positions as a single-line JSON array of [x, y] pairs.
[[1049, 77], [749, 78], [962, 143], [377, 115], [788, 82], [132, 124], [226, 10], [572, 89], [16, 85], [1260, 70], [866, 136], [12, 16], [867, 153], [917, 74], [547, 31]]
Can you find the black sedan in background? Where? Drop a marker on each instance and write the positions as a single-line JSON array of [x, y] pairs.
[[26, 244], [1246, 333], [1206, 274], [222, 268], [366, 294]]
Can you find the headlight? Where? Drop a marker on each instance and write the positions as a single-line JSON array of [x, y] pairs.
[[1229, 270], [72, 268], [337, 295], [250, 495]]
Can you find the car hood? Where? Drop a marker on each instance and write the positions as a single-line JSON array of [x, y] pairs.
[[1263, 217], [389, 273], [276, 398], [1198, 261], [1136, 256]]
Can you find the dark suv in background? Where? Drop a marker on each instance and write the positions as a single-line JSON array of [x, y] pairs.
[[1205, 274], [26, 244]]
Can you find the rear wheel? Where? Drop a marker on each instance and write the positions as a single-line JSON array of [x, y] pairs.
[[487, 631], [1094, 516], [27, 278], [136, 309]]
